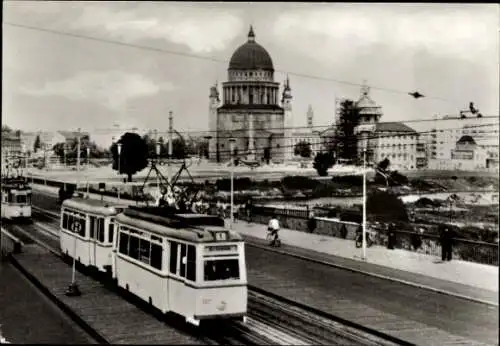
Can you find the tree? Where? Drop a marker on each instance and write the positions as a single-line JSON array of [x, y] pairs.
[[386, 206], [71, 146], [178, 148], [303, 149], [382, 173], [37, 145], [345, 140], [323, 161], [133, 155]]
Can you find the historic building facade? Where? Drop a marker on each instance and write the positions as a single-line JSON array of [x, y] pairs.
[[309, 135], [392, 140], [249, 109]]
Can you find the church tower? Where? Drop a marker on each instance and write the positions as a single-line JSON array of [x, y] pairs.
[[214, 102], [286, 102]]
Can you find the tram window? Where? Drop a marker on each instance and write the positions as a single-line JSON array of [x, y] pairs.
[[92, 227], [182, 267], [191, 263], [111, 229], [70, 222], [21, 199], [100, 229], [65, 221], [173, 257], [156, 256], [221, 270], [133, 248], [123, 246], [144, 251]]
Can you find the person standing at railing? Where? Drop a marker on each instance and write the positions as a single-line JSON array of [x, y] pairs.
[[446, 240]]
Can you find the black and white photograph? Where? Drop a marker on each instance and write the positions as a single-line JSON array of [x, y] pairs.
[[250, 173]]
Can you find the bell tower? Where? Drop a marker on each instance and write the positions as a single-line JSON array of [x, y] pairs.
[[214, 102], [286, 102]]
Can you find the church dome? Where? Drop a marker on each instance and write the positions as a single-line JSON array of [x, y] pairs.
[[251, 56]]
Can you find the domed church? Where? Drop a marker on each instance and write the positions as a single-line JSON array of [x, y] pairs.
[[251, 110]]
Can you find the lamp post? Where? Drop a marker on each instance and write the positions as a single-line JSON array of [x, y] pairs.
[[158, 148], [73, 289], [119, 149], [231, 142], [364, 204], [88, 165]]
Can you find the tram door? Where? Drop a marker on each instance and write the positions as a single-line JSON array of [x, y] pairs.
[[92, 240]]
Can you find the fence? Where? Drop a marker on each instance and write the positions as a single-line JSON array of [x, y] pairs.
[[296, 219], [467, 250]]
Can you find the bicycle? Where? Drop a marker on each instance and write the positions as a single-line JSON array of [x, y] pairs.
[[359, 240], [273, 241]]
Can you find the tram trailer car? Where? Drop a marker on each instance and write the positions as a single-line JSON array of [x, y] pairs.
[[16, 200], [87, 232], [188, 264]]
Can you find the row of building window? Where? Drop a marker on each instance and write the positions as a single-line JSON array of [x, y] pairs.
[[405, 156]]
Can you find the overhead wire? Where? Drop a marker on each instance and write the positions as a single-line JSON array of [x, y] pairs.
[[202, 57], [326, 143]]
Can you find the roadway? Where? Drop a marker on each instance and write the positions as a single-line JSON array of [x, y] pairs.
[[29, 317], [347, 294]]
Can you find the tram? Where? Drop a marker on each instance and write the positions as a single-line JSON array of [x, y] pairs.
[[187, 264], [87, 232], [16, 199]]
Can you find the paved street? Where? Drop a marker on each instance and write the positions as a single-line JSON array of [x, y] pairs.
[[336, 289]]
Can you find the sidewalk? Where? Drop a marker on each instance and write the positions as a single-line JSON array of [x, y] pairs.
[[460, 278], [472, 274]]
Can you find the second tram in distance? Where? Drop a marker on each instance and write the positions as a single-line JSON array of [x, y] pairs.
[[189, 264], [16, 199]]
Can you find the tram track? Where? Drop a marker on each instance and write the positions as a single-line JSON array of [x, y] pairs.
[[233, 333], [303, 323]]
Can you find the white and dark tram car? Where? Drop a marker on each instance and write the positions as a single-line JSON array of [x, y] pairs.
[[188, 264], [16, 199]]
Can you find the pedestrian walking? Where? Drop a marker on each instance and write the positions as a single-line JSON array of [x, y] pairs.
[[391, 238], [311, 223], [446, 240]]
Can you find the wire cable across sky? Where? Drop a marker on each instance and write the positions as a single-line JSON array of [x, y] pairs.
[[217, 60]]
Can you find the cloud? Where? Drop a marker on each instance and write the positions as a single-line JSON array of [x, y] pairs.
[[463, 32], [112, 89], [202, 30]]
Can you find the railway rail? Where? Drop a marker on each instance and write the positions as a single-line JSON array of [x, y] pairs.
[[370, 301], [292, 321]]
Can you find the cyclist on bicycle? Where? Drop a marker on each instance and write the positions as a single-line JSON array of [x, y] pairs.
[[273, 227]]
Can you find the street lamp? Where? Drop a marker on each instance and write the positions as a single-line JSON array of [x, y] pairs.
[[119, 148], [88, 165], [231, 143], [158, 148], [73, 289], [364, 204]]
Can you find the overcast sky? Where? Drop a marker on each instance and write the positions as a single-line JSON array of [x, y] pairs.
[[449, 52]]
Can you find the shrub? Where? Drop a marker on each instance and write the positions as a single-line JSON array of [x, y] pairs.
[[298, 182]]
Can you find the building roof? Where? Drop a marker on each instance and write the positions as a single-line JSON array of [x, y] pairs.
[[251, 56], [72, 134], [394, 127]]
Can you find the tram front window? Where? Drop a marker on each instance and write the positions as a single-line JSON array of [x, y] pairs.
[[22, 199], [221, 270]]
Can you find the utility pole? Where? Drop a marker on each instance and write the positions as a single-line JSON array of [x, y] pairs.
[[170, 135], [78, 151]]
